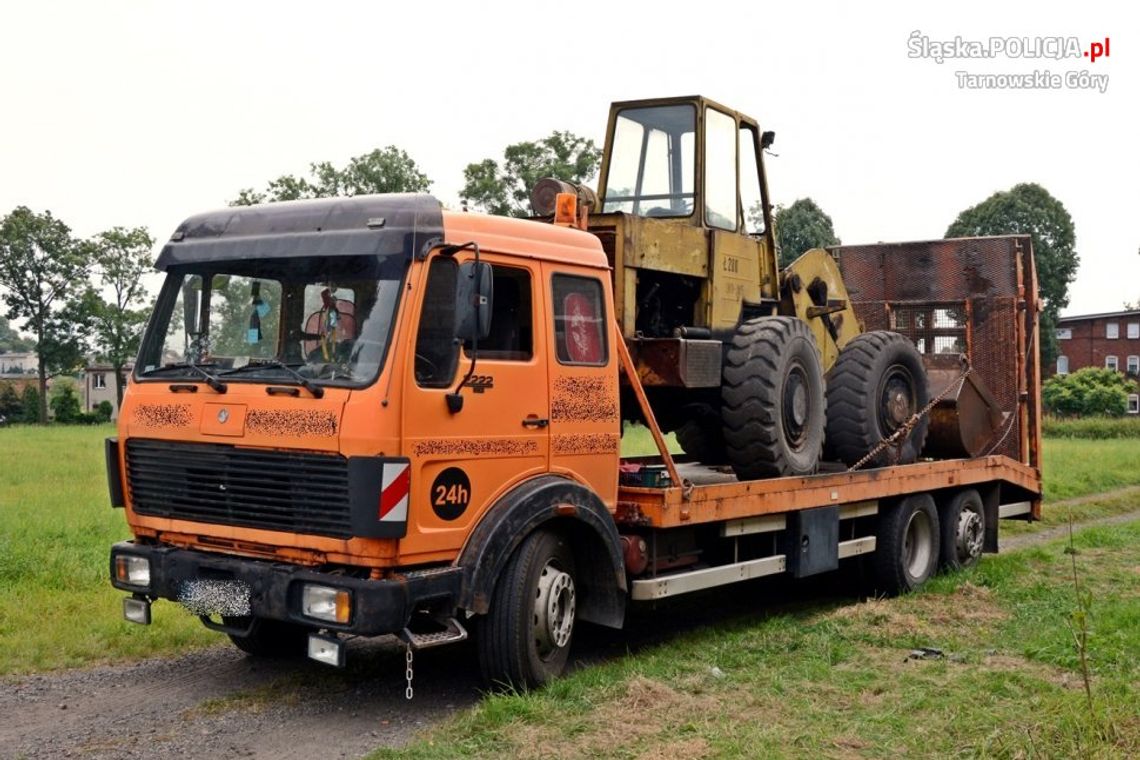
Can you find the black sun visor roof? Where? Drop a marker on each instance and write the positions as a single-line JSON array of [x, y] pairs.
[[362, 225]]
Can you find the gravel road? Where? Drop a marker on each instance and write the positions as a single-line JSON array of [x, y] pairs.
[[217, 702]]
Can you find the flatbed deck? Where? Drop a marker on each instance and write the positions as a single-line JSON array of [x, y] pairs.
[[711, 495]]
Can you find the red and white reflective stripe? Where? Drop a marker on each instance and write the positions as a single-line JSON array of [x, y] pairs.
[[394, 494]]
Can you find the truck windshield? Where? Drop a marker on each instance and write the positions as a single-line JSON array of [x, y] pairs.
[[653, 161], [326, 319]]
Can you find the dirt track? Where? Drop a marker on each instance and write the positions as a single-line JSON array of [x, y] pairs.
[[218, 702]]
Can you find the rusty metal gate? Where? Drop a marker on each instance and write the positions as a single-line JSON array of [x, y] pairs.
[[971, 296]]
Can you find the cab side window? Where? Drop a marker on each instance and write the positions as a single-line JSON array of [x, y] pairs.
[[512, 324], [579, 321], [437, 350]]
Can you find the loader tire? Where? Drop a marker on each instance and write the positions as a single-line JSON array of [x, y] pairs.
[[700, 436], [877, 383], [773, 404], [524, 640]]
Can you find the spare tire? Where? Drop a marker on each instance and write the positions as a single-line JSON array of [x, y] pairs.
[[772, 399], [877, 384]]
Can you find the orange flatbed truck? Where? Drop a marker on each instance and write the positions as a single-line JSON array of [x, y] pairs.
[[365, 416]]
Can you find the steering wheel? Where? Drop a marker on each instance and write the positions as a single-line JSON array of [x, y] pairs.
[[425, 368]]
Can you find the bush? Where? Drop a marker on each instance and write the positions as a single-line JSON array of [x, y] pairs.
[[31, 400], [103, 411], [11, 407], [1095, 428], [65, 404], [1088, 391]]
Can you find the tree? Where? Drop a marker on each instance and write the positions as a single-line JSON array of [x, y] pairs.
[[1088, 391], [43, 268], [505, 190], [384, 170], [10, 340], [801, 227], [1029, 209], [121, 258]]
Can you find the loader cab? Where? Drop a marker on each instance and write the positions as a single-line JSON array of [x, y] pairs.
[[686, 159], [684, 217]]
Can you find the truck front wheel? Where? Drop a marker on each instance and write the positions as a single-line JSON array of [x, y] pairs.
[[271, 639], [524, 640]]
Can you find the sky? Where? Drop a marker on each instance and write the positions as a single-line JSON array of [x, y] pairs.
[[143, 113]]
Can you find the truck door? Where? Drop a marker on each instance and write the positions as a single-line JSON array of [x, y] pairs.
[[461, 461], [585, 426]]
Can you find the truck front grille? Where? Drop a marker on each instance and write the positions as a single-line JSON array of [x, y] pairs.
[[298, 492]]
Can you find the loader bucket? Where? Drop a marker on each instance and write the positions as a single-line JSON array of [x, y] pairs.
[[967, 419]]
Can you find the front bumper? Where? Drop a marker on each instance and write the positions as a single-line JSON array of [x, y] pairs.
[[378, 606]]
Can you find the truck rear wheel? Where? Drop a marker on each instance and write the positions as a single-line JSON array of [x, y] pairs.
[[524, 640], [773, 411], [907, 544], [963, 530], [875, 387], [271, 639]]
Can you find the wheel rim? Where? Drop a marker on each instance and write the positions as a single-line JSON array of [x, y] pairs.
[[917, 544], [896, 398], [970, 535], [554, 606], [795, 407]]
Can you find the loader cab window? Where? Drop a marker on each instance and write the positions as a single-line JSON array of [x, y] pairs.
[[437, 351], [653, 162], [751, 199], [512, 325], [720, 170]]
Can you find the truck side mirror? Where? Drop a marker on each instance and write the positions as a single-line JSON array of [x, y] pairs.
[[766, 140], [474, 296]]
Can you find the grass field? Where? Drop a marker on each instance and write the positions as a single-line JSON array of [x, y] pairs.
[[836, 680], [58, 610]]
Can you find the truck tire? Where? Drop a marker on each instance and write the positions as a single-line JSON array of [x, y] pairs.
[[773, 409], [272, 639], [963, 530], [906, 545], [877, 383], [524, 640], [701, 437]]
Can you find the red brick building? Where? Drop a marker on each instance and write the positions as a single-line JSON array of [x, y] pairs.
[[1109, 340]]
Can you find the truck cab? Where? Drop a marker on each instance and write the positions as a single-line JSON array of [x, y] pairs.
[[333, 394]]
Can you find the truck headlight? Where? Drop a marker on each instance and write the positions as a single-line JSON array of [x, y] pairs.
[[132, 570], [326, 603]]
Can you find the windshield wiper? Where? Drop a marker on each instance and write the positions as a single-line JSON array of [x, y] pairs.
[[211, 381], [316, 390]]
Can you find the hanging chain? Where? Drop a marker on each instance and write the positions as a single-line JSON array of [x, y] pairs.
[[898, 438], [408, 657]]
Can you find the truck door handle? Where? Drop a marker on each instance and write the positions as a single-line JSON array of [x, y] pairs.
[[535, 421]]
